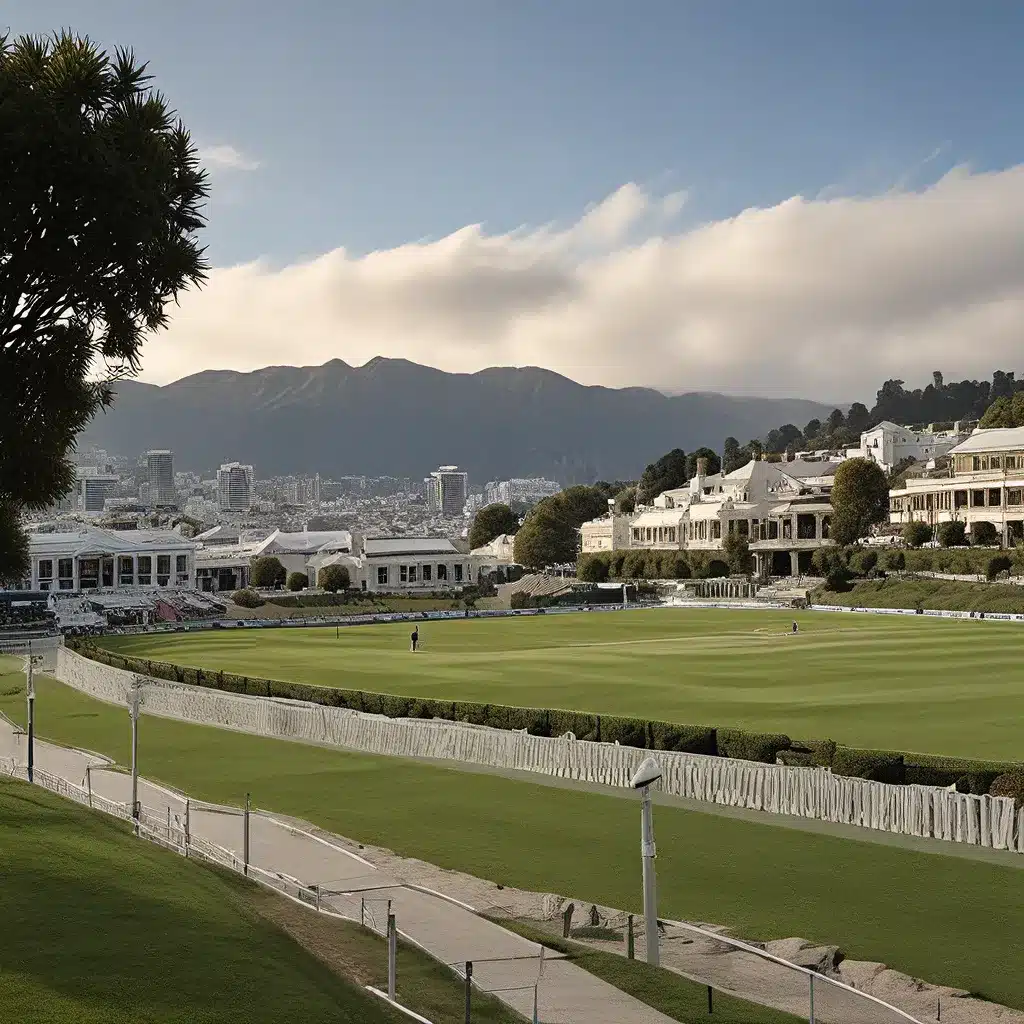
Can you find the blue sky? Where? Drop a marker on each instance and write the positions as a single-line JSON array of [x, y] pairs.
[[379, 122], [374, 125]]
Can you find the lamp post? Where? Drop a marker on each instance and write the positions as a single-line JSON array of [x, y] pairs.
[[135, 698], [30, 692], [648, 773]]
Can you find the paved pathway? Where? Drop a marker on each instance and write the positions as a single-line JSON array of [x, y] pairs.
[[452, 933]]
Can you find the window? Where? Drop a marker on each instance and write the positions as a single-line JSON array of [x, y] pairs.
[[181, 563], [977, 499], [125, 570], [66, 572], [403, 574], [1014, 496], [960, 499], [382, 575], [458, 573], [976, 463], [997, 462], [89, 573], [995, 498], [163, 570], [427, 572], [108, 572], [45, 572], [145, 570], [412, 573], [1010, 462], [442, 574]]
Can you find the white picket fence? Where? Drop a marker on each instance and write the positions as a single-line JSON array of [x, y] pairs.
[[777, 789]]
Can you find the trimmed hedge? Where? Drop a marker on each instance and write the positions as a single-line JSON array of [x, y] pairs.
[[752, 746], [880, 765], [876, 765]]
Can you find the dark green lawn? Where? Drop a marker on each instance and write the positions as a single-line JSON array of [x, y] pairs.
[[943, 918], [100, 928], [899, 683]]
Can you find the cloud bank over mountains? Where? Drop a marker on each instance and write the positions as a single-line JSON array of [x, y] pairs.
[[819, 297]]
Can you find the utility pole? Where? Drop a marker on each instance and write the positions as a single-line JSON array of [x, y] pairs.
[[135, 697], [31, 696]]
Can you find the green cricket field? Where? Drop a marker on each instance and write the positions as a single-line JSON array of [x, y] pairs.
[[905, 683]]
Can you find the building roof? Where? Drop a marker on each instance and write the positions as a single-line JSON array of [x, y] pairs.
[[375, 547], [89, 540], [660, 517], [307, 542], [991, 439]]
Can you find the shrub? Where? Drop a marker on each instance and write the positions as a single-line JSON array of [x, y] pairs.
[[691, 739], [821, 752], [895, 561], [615, 564], [752, 746], [247, 598], [680, 567], [634, 566], [1009, 784], [333, 578], [297, 581], [998, 564], [838, 580], [865, 561], [877, 765], [267, 572], [630, 732], [984, 534], [952, 534], [521, 599], [917, 534], [592, 569]]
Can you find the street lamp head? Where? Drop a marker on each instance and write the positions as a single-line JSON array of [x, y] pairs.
[[648, 772]]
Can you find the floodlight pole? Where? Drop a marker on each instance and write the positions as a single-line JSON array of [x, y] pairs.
[[648, 852], [135, 697], [30, 693]]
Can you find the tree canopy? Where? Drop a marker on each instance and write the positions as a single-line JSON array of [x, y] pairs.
[[668, 472], [490, 522], [333, 578], [714, 463], [548, 535], [266, 572], [1005, 411], [860, 499], [102, 198]]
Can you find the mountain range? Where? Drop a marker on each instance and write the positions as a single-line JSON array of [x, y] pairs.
[[395, 417]]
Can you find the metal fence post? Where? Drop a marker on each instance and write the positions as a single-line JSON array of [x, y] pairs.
[[469, 992], [811, 1017], [88, 782], [245, 837], [536, 1017], [711, 999], [362, 911], [392, 955], [188, 838], [630, 947]]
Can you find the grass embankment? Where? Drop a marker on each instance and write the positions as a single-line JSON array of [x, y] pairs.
[[924, 592], [99, 927], [675, 996], [304, 606], [881, 683], [928, 914]]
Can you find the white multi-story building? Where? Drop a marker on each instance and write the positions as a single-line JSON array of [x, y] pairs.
[[405, 565], [781, 508], [889, 444], [984, 483], [236, 487], [447, 488], [88, 559], [160, 467]]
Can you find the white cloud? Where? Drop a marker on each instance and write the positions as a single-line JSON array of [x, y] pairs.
[[821, 297], [226, 158]]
